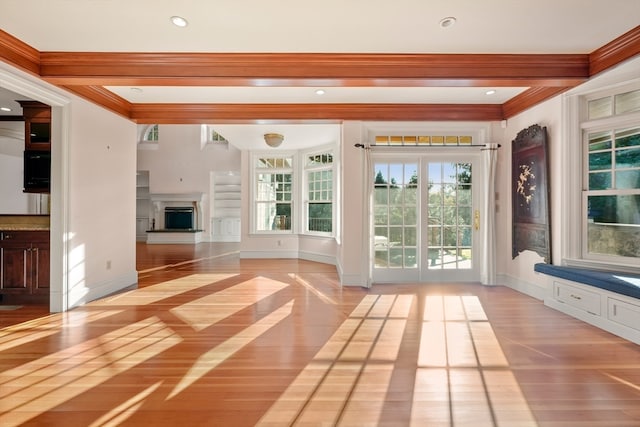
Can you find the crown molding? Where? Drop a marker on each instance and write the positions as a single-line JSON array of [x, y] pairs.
[[613, 53], [19, 54]]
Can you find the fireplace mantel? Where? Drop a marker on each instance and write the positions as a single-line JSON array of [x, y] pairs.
[[177, 197]]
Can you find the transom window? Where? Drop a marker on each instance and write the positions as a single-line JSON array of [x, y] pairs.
[[421, 140], [151, 134]]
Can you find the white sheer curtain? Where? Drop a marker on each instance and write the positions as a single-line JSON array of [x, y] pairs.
[[488, 222], [367, 263]]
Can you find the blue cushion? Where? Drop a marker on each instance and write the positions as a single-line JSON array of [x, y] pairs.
[[618, 282]]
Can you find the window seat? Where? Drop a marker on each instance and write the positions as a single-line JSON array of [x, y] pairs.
[[620, 283], [606, 299]]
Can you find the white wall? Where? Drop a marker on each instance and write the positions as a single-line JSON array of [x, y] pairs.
[[101, 202], [12, 199], [181, 165]]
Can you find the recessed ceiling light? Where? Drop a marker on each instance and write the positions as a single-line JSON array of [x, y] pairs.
[[320, 92], [179, 21], [7, 109], [447, 22], [490, 92]]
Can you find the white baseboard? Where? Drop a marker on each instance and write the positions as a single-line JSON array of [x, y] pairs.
[[535, 290], [269, 254], [315, 257], [82, 294]]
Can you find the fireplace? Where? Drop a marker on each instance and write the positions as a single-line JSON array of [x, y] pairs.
[[178, 218]]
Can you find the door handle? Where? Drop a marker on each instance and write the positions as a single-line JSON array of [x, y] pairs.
[[476, 220]]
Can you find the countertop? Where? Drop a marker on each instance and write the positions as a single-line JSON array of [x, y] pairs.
[[24, 222]]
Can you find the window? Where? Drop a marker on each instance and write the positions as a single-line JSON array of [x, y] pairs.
[[151, 134], [273, 199], [319, 204], [611, 187]]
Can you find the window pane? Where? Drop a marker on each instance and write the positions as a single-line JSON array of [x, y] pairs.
[[395, 236], [614, 225], [614, 209], [628, 158], [320, 217], [599, 161], [628, 138], [599, 108], [410, 236], [273, 216], [629, 179], [627, 102], [380, 215], [381, 195], [410, 259], [599, 181], [599, 141]]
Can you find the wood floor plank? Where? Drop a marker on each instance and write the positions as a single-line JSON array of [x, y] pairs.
[[209, 339]]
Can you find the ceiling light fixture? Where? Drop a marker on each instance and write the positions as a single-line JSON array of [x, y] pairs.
[[136, 90], [490, 92], [179, 21], [7, 109], [448, 22], [273, 139], [320, 92]]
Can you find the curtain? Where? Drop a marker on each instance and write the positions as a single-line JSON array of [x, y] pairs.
[[367, 213], [488, 221]]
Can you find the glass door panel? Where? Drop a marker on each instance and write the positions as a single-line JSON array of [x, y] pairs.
[[449, 221], [395, 221]]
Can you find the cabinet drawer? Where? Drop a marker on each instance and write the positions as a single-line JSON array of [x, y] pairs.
[[577, 297], [624, 313]]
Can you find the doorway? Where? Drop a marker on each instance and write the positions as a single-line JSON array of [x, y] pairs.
[[426, 218]]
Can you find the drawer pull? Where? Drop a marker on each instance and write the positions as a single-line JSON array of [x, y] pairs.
[[576, 297]]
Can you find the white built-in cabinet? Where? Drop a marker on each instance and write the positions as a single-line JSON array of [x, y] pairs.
[[225, 220], [143, 205]]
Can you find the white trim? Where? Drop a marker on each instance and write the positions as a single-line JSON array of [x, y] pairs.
[[82, 295], [534, 290], [31, 87]]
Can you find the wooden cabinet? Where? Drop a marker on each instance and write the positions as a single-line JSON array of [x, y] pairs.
[[24, 262], [37, 125]]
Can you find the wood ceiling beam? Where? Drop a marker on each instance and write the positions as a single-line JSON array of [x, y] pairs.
[[309, 113], [307, 69]]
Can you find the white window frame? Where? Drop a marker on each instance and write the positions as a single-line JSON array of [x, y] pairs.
[[306, 169], [255, 171], [575, 190]]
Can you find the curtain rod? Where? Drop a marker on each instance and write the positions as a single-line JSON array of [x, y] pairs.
[[360, 145]]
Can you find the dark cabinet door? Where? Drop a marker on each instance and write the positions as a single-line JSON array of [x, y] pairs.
[[24, 262], [40, 268], [16, 260]]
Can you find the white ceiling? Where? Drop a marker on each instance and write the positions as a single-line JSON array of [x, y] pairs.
[[330, 26]]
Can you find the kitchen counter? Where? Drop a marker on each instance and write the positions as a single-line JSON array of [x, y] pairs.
[[24, 222]]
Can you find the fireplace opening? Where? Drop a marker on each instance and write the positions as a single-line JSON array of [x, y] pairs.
[[178, 218]]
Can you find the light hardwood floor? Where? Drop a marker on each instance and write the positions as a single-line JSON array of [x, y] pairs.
[[211, 340]]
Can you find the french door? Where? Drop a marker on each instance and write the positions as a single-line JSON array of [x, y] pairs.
[[426, 219]]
